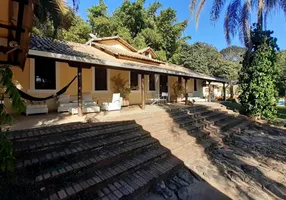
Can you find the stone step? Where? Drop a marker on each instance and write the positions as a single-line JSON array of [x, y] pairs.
[[65, 152], [95, 159], [37, 133], [48, 142], [230, 122], [93, 179], [215, 119], [139, 182]]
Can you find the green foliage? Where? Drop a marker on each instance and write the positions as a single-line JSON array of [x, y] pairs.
[[281, 58], [8, 87], [259, 76], [6, 153], [78, 30], [56, 12], [178, 89], [233, 53], [238, 14], [141, 27], [204, 58], [120, 86]]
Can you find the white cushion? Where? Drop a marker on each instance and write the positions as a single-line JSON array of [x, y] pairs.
[[86, 97], [65, 98], [31, 106]]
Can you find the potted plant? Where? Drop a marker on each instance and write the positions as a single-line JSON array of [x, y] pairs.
[[178, 89], [120, 86]]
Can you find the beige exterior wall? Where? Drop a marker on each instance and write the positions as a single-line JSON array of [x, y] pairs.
[[64, 74], [190, 87], [114, 43]]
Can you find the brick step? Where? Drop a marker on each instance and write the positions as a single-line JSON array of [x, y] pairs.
[[212, 114], [66, 152], [230, 122], [208, 143], [91, 179], [201, 134], [48, 142], [95, 159], [173, 111], [137, 183], [218, 118], [36, 133]]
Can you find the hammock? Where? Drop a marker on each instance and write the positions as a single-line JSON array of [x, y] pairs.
[[60, 92]]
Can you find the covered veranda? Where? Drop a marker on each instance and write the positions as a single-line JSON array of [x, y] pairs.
[[81, 57]]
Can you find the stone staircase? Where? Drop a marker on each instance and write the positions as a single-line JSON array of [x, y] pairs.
[[118, 159]]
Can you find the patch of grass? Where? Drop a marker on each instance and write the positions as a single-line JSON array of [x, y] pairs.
[[281, 110]]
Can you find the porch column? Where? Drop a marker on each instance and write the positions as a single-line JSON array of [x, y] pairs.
[[186, 94], [210, 98], [79, 90], [142, 92], [224, 92], [231, 90]]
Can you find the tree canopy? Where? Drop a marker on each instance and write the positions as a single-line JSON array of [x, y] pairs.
[[233, 53], [260, 75], [238, 15], [204, 58], [141, 27]]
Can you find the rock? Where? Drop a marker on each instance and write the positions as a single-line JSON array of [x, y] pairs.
[[162, 189], [186, 176], [183, 193]]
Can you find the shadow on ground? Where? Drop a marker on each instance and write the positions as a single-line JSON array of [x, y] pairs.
[[261, 144], [97, 161]]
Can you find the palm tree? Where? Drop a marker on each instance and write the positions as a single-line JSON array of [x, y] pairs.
[[56, 11], [238, 14]]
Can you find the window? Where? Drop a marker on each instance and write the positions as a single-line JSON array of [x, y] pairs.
[[179, 79], [134, 80], [45, 74], [195, 84], [100, 76], [152, 82]]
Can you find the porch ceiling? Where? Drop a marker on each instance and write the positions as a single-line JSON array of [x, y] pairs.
[[80, 53]]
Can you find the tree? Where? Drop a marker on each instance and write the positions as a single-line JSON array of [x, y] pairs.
[[238, 15], [204, 58], [77, 32], [281, 58], [55, 11], [233, 53], [259, 76], [141, 27]]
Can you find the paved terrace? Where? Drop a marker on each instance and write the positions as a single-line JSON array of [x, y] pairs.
[[161, 152]]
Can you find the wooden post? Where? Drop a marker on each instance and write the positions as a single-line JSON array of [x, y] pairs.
[[224, 92], [79, 91], [231, 90], [210, 98], [186, 94], [142, 92]]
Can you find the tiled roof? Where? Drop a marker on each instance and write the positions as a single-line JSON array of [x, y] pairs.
[[119, 39], [121, 52], [70, 51], [141, 51]]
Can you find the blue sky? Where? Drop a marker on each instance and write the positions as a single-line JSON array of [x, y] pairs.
[[207, 31]]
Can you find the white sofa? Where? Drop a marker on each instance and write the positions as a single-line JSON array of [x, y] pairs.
[[37, 109], [65, 102], [114, 105]]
